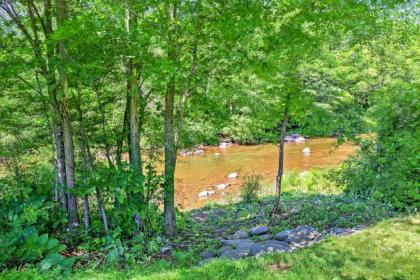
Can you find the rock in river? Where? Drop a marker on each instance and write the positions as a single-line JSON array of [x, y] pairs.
[[306, 151], [233, 175]]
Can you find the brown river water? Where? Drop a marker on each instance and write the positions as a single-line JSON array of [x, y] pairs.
[[198, 173]]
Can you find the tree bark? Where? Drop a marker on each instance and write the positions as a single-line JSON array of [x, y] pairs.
[[86, 211], [133, 90], [56, 117], [170, 149], [279, 176], [61, 7]]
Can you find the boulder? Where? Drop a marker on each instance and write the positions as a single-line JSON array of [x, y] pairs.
[[233, 175], [223, 145], [259, 230], [300, 139], [269, 246], [235, 253], [235, 249], [299, 237], [288, 139], [240, 235], [282, 235], [302, 236], [263, 237], [237, 243]]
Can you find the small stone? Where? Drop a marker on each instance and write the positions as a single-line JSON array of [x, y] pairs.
[[233, 175], [259, 230], [221, 186], [306, 150], [166, 249], [203, 194]]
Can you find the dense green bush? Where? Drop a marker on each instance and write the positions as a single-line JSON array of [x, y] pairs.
[[26, 213], [387, 167]]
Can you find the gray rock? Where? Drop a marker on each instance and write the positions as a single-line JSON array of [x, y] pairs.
[[263, 237], [206, 254], [302, 235], [282, 235], [345, 231], [166, 249], [241, 235], [230, 253], [269, 246], [237, 243], [259, 230]]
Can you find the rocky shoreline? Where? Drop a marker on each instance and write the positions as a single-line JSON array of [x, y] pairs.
[[258, 241]]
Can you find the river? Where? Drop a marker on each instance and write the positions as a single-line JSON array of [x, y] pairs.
[[195, 174]]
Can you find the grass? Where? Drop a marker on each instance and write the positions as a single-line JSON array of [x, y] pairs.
[[388, 250]]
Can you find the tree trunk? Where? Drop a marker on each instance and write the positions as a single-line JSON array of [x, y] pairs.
[[279, 176], [88, 165], [120, 141], [133, 118], [170, 149], [86, 213], [170, 160], [56, 116], [61, 7]]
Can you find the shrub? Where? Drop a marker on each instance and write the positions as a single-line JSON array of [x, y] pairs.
[[387, 167], [251, 187]]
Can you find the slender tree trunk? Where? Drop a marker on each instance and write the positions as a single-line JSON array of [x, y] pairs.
[[279, 176], [120, 141], [86, 212], [133, 116], [170, 149], [56, 116], [133, 119], [170, 160], [61, 7], [88, 165]]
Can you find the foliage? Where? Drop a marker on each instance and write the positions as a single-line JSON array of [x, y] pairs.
[[27, 212], [251, 187], [387, 166], [102, 77]]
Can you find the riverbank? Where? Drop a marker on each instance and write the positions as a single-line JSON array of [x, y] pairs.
[[310, 201], [388, 250]]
